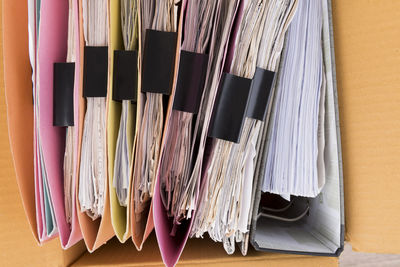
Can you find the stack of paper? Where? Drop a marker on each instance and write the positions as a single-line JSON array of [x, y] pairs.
[[229, 178], [175, 165], [295, 155], [70, 142], [156, 15], [93, 165], [279, 17], [224, 18]]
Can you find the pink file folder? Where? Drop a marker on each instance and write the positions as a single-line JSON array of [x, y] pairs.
[[171, 246], [52, 47]]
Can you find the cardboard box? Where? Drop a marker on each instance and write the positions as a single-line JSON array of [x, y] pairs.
[[367, 47]]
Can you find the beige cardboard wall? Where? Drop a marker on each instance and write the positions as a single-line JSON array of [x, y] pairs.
[[367, 46], [198, 252], [17, 244]]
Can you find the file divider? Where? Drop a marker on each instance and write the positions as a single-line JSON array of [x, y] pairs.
[[230, 108], [95, 71], [63, 95], [190, 84]]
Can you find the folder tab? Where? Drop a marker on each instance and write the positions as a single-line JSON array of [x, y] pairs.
[[63, 86], [230, 108], [190, 84], [95, 71], [125, 77], [259, 94], [158, 61]]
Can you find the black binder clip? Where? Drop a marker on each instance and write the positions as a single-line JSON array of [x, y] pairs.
[[125, 75], [158, 62], [95, 71], [190, 83], [63, 94], [230, 108], [259, 94]]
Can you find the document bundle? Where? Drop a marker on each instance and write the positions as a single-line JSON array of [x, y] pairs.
[[197, 118]]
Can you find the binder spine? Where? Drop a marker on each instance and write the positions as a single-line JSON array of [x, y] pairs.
[[63, 94], [125, 75], [95, 71], [190, 83], [259, 94], [230, 107], [158, 62]]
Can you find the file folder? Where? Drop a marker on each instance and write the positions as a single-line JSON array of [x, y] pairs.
[[95, 233], [120, 215], [157, 85], [171, 237], [51, 49]]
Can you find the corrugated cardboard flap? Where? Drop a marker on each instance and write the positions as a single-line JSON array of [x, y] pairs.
[[367, 41], [17, 77]]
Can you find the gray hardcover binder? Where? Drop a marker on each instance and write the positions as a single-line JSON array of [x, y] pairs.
[[321, 232]]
